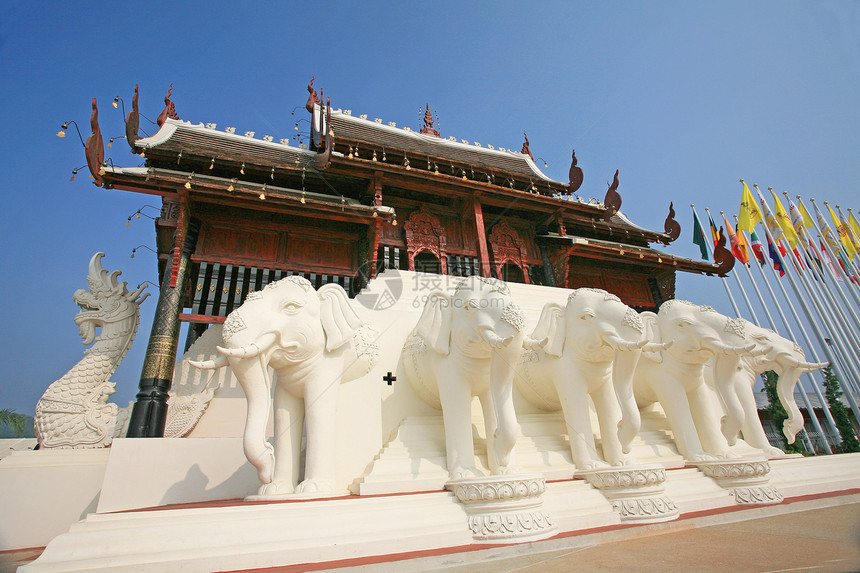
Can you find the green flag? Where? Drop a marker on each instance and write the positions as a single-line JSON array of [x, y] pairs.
[[699, 237]]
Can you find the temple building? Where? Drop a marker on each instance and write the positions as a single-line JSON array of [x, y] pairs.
[[361, 196]]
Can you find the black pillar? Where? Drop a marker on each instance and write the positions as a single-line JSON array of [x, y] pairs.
[[149, 413]]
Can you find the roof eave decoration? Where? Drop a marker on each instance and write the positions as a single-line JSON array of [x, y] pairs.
[[723, 258], [623, 253], [132, 122], [671, 226], [525, 150], [574, 175], [612, 200], [201, 185], [169, 110], [94, 147]]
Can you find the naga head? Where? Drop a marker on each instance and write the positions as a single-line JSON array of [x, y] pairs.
[[108, 301]]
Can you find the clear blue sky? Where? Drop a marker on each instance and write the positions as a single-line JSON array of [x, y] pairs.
[[684, 98]]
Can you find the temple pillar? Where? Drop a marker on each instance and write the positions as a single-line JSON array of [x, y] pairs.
[[149, 413], [483, 252]]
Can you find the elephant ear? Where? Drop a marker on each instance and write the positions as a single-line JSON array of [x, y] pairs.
[[652, 334], [551, 325], [338, 319], [434, 326]]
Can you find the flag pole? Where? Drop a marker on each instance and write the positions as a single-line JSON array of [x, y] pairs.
[[822, 304], [810, 379], [757, 291], [843, 380], [841, 269], [738, 279], [839, 247], [855, 240], [827, 297], [725, 282]]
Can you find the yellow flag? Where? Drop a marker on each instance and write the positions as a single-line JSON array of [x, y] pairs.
[[842, 231], [784, 222], [852, 222], [750, 213], [807, 220]]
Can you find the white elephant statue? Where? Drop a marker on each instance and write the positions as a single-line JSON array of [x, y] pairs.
[[593, 348], [784, 357], [314, 341], [467, 344], [675, 376]]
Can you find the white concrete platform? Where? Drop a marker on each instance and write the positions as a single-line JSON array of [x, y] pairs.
[[248, 535]]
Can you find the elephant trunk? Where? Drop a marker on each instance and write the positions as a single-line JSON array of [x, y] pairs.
[[253, 375], [507, 430], [622, 380], [785, 390], [725, 380]]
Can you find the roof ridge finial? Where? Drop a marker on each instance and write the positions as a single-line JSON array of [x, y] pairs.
[[313, 98], [169, 109], [525, 150], [428, 128]]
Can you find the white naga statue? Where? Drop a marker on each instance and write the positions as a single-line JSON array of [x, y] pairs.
[[314, 341], [73, 412]]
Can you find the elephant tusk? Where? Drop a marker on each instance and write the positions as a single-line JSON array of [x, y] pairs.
[[530, 343], [250, 350], [494, 339], [806, 366], [716, 345], [214, 364], [620, 345], [657, 346], [244, 352]]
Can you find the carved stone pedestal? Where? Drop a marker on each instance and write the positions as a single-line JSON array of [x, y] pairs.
[[505, 507], [637, 493], [748, 480]]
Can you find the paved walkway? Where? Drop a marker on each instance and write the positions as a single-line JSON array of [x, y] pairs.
[[811, 538], [819, 536]]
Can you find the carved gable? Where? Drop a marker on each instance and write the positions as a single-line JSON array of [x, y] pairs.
[[425, 233], [507, 247]]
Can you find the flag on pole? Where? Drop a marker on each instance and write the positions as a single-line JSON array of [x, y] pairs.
[[757, 248], [825, 229], [699, 237], [852, 222], [750, 213], [714, 233], [784, 222], [855, 238], [807, 220], [770, 219], [812, 256], [842, 231], [825, 254], [774, 257], [738, 250], [797, 220]]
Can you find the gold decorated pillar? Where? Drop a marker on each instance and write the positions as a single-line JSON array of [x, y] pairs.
[[150, 410]]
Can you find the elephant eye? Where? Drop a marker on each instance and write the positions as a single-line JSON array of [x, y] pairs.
[[292, 307], [586, 316], [684, 323]]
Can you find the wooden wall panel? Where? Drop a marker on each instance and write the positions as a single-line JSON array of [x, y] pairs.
[[219, 242], [304, 251]]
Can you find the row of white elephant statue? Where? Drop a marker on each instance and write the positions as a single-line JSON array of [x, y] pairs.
[[473, 342]]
